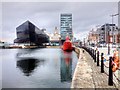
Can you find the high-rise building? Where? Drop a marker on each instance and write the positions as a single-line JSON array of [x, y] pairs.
[[66, 26]]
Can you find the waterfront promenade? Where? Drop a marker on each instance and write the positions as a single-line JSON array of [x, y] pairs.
[[88, 75]]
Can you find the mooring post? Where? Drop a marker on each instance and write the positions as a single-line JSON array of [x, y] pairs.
[[93, 54], [97, 58], [102, 63], [110, 78]]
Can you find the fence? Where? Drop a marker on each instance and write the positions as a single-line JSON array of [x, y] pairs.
[[99, 58]]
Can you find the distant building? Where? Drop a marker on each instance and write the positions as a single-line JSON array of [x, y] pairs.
[[108, 34], [29, 33], [55, 37], [93, 37], [66, 26]]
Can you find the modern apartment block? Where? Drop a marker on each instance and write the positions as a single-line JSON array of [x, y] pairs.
[[66, 26], [108, 33], [30, 34]]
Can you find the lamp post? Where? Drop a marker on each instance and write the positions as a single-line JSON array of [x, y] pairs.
[[108, 43], [112, 34], [113, 15], [97, 35]]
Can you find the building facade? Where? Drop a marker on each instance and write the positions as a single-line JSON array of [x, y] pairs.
[[66, 26], [55, 37], [29, 33], [92, 38], [108, 33]]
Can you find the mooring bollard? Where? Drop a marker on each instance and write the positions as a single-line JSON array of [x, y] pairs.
[[110, 78], [102, 63], [93, 54], [97, 58], [90, 51]]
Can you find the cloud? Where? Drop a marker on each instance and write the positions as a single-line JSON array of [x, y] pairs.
[[47, 15], [60, 0]]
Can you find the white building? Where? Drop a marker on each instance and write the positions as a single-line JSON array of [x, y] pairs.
[[54, 37]]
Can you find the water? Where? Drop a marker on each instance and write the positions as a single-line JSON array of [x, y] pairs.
[[37, 68]]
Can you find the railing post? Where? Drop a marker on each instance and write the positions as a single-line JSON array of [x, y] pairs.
[[102, 63], [110, 78], [97, 58]]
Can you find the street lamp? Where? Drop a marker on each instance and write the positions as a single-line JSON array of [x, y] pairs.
[[113, 15], [108, 43], [112, 34]]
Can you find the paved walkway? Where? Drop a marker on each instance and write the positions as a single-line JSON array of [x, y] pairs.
[[88, 75]]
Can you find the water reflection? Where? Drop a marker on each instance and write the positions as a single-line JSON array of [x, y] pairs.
[[28, 65], [22, 52], [66, 67], [44, 68]]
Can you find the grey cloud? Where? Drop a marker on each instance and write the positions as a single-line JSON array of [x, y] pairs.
[[47, 15]]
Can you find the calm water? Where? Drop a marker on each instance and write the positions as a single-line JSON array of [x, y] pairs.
[[37, 68]]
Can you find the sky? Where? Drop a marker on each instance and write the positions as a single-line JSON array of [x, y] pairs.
[[85, 16]]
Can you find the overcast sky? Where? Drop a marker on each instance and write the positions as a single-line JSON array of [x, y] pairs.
[[85, 16]]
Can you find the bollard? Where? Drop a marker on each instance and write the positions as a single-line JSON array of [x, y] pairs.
[[93, 54], [102, 63], [91, 51], [110, 78], [97, 58]]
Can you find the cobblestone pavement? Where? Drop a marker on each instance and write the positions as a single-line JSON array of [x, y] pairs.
[[87, 74]]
